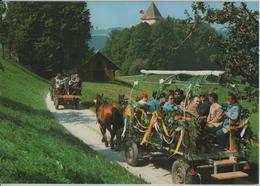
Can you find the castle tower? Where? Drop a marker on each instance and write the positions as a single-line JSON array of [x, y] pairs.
[[151, 15]]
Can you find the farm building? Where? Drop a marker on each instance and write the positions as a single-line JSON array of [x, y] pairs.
[[99, 68]]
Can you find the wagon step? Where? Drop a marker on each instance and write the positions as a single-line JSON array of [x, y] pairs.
[[225, 162], [229, 175]]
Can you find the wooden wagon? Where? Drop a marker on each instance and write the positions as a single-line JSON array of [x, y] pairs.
[[62, 97], [149, 132], [66, 100]]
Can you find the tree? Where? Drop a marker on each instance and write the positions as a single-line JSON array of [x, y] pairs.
[[167, 44], [49, 37], [196, 52], [140, 42], [3, 27], [117, 45], [240, 49], [138, 65], [163, 41]]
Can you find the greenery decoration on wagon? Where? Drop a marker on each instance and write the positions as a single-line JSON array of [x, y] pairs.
[[248, 139]]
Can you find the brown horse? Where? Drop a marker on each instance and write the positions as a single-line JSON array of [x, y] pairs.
[[110, 117]]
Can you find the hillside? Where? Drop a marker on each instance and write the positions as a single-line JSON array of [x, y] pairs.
[[34, 148]]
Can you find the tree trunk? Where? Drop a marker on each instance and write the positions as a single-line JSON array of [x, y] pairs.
[[3, 50], [9, 52]]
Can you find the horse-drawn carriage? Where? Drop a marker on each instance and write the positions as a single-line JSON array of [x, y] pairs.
[[182, 137], [64, 92]]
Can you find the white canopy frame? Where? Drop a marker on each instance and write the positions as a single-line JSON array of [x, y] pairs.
[[186, 72], [173, 73]]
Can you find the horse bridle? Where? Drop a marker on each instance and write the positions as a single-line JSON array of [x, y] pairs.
[[99, 103]]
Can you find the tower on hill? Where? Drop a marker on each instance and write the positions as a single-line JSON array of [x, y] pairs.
[[151, 15]]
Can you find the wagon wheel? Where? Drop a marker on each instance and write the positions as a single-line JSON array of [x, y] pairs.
[[180, 172], [56, 103], [54, 100], [51, 94], [131, 153]]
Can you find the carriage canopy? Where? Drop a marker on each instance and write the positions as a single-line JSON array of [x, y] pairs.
[[186, 72]]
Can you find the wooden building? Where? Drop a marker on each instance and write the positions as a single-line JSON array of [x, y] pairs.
[[98, 68]]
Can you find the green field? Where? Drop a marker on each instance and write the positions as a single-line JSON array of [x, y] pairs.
[[148, 84], [34, 148]]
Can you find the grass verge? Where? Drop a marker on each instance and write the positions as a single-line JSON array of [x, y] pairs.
[[34, 148]]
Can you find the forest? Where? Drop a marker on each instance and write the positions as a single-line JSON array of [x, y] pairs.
[[46, 37], [161, 46]]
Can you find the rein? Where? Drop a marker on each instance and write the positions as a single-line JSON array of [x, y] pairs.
[[100, 103]]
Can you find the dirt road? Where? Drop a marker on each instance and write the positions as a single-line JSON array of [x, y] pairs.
[[82, 124]]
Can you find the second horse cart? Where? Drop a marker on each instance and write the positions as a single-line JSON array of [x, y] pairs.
[[64, 95]]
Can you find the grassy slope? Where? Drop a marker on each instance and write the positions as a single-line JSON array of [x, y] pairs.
[[34, 148], [112, 89]]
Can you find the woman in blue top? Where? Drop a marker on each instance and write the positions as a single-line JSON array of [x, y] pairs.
[[232, 116]]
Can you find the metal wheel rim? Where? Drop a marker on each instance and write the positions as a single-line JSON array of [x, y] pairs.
[[130, 153]]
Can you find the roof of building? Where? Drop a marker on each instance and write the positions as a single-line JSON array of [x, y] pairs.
[[99, 55], [152, 13]]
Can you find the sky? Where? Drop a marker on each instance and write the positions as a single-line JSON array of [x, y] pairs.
[[126, 14]]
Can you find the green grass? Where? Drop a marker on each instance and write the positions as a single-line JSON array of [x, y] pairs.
[[34, 148], [148, 84]]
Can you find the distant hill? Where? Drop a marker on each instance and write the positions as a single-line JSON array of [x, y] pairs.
[[98, 41], [99, 37]]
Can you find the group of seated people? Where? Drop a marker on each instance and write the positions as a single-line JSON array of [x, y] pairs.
[[203, 107], [70, 85]]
